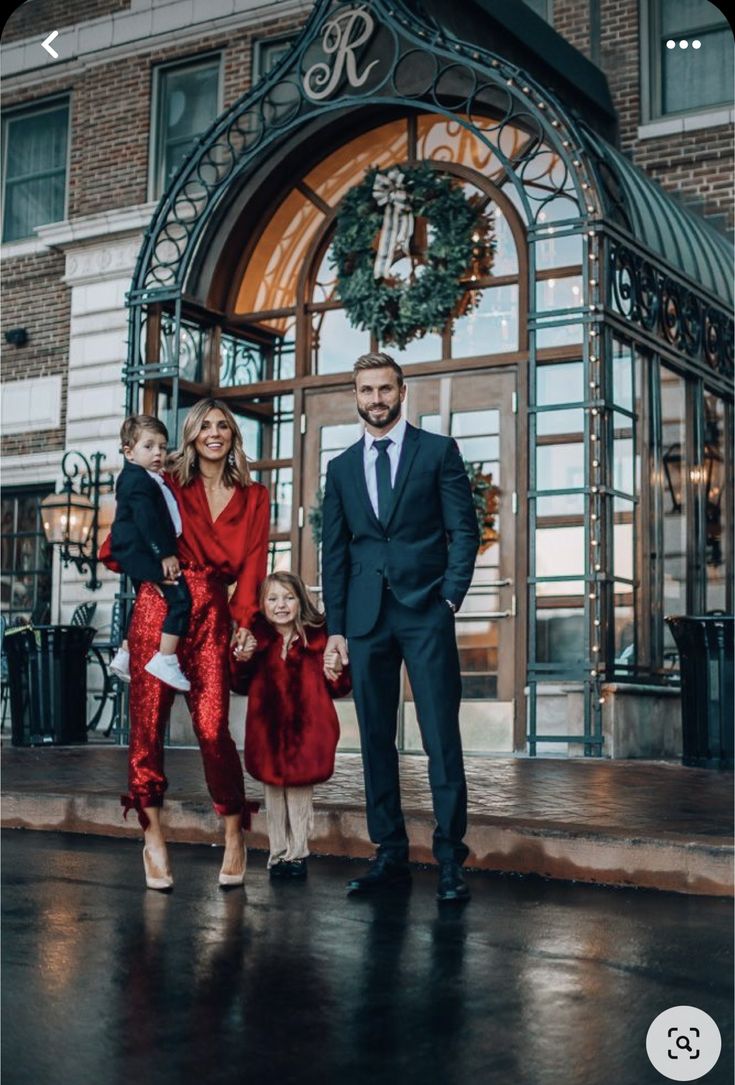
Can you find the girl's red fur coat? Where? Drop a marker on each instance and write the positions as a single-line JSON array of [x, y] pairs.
[[291, 728]]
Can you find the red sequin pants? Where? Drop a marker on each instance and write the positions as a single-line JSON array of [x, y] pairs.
[[203, 654]]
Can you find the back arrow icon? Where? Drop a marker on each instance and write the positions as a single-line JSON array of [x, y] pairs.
[[47, 44]]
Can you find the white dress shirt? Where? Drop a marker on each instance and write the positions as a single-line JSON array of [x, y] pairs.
[[171, 502], [370, 459]]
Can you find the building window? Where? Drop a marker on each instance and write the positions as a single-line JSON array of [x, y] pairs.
[[268, 52], [25, 583], [690, 57], [186, 100], [34, 168]]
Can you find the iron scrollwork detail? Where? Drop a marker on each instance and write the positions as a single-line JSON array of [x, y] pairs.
[[670, 310]]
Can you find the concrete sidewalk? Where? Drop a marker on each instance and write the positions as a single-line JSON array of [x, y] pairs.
[[649, 824]]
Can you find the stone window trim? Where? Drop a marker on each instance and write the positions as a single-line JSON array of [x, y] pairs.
[[686, 122], [156, 184]]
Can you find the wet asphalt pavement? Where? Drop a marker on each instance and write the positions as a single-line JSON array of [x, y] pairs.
[[532, 983]]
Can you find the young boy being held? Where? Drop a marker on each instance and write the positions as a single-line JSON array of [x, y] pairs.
[[143, 540]]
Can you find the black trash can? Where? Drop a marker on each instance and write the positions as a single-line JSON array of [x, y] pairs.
[[47, 676], [706, 652]]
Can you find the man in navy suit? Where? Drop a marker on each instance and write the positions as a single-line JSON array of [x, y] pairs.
[[399, 542]]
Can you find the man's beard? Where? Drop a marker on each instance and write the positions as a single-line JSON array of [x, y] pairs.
[[390, 417]]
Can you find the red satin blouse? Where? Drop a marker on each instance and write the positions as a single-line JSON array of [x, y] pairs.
[[235, 544]]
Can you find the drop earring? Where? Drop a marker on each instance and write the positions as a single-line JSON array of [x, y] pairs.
[[231, 458]]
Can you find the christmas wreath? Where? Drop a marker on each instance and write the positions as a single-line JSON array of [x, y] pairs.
[[425, 216], [486, 499]]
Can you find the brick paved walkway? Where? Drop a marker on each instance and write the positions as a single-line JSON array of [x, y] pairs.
[[653, 824]]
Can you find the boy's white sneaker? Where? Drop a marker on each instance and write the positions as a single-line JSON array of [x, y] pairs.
[[168, 670], [120, 665]]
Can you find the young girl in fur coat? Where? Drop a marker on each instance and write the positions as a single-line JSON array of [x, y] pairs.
[[291, 728]]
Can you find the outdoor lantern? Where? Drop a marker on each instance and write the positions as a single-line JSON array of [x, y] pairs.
[[673, 466], [714, 480], [709, 475], [67, 517], [71, 519]]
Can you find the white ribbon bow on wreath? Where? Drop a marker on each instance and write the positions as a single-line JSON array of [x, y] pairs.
[[395, 235]]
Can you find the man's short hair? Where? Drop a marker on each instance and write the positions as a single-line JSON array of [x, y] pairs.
[[376, 360], [134, 425]]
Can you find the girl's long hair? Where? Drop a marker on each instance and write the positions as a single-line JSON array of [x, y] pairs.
[[184, 462], [307, 615]]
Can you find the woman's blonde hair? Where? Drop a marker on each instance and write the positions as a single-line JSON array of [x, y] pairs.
[[184, 462], [307, 615]]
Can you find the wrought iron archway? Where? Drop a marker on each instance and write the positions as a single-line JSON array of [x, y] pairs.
[[353, 57]]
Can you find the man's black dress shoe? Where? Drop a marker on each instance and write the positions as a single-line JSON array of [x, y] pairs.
[[452, 886], [384, 873]]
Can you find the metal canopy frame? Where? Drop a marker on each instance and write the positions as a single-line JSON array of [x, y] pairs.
[[650, 271]]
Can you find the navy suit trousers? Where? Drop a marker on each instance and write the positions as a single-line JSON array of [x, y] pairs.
[[426, 640]]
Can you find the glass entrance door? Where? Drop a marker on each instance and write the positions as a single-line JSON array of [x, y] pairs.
[[477, 410]]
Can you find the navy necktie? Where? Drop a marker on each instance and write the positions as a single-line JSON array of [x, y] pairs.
[[382, 475]]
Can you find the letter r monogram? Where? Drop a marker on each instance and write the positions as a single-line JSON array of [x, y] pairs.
[[337, 38]]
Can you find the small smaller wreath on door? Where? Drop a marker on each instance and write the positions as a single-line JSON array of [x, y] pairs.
[[421, 215]]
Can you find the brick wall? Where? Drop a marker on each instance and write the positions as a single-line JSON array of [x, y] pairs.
[[110, 114], [696, 166], [571, 20], [35, 298], [39, 16]]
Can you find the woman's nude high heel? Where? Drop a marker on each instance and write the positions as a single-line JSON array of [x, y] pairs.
[[228, 880], [155, 876]]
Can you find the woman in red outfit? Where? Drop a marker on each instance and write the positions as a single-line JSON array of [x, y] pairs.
[[291, 730], [224, 542]]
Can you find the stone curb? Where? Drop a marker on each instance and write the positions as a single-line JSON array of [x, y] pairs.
[[568, 853]]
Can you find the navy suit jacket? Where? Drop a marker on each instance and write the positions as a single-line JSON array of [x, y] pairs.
[[427, 548], [142, 533]]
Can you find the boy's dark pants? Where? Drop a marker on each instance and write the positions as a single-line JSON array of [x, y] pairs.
[[178, 607]]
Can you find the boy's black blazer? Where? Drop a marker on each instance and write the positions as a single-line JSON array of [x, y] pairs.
[[142, 532], [427, 548]]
